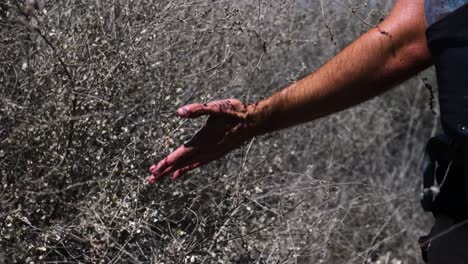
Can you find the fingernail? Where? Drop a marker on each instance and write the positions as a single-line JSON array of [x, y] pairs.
[[151, 180], [182, 111], [152, 169]]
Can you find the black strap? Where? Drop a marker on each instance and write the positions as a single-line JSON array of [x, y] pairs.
[[445, 162], [465, 166], [440, 150]]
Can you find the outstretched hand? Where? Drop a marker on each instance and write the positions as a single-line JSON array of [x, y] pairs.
[[225, 130]]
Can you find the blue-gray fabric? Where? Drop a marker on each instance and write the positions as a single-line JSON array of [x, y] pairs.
[[438, 9]]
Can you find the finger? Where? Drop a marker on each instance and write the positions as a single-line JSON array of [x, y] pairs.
[[176, 158], [195, 159], [197, 110], [152, 179], [173, 158], [188, 168], [202, 160], [192, 163], [155, 177]]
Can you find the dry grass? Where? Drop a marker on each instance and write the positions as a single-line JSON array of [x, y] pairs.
[[87, 97]]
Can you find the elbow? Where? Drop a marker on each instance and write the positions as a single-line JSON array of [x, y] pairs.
[[406, 25], [407, 60], [414, 56], [408, 54]]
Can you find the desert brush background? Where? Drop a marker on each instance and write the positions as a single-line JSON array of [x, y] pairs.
[[88, 93]]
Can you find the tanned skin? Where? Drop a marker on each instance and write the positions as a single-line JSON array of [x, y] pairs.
[[385, 56]]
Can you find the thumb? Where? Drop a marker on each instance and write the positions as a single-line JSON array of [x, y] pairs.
[[183, 112], [215, 107], [193, 110]]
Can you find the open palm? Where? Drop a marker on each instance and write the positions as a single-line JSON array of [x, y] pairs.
[[225, 130]]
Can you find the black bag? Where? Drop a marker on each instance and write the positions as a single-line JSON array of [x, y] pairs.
[[444, 182]]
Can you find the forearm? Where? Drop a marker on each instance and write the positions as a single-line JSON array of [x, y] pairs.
[[380, 59]]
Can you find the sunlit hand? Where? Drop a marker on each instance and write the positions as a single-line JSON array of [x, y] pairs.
[[226, 129]]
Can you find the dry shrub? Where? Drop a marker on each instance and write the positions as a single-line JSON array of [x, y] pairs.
[[88, 91]]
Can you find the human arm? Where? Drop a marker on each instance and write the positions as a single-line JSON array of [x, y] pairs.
[[386, 55]]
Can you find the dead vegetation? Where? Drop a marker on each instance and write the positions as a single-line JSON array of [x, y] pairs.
[[88, 91]]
